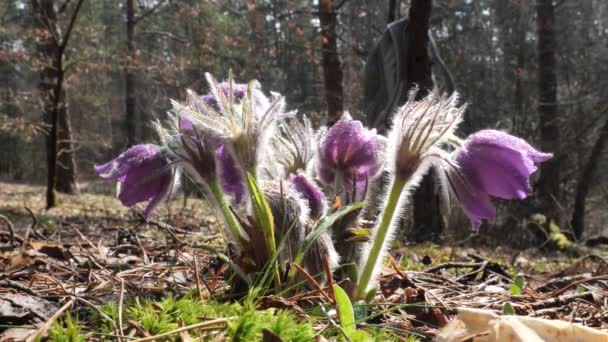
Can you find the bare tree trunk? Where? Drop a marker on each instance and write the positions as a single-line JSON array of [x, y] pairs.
[[518, 114], [66, 159], [548, 183], [427, 216], [392, 11], [584, 182], [51, 49], [130, 115], [332, 67]]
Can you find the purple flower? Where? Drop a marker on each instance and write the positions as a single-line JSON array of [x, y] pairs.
[[238, 94], [493, 163], [311, 193], [419, 128], [196, 154], [143, 174], [194, 101], [231, 176], [245, 121], [350, 148]]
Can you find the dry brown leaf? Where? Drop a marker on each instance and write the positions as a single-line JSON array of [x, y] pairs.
[[52, 250], [486, 326], [17, 334]]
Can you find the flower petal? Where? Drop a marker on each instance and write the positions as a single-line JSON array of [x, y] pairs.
[[500, 172], [133, 157], [231, 176], [309, 191], [476, 203]]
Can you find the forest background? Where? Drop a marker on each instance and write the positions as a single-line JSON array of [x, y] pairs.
[[82, 80]]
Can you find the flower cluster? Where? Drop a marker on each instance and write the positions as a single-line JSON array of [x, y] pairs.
[[271, 176]]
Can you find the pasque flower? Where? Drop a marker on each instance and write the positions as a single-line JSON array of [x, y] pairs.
[[351, 152], [243, 126], [492, 163], [293, 222], [311, 193], [144, 174], [419, 128], [292, 149], [231, 176]]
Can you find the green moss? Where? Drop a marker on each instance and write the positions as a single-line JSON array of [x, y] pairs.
[[67, 330], [557, 239], [246, 323], [409, 265]]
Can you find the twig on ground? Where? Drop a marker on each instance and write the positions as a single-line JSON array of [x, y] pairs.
[[198, 282], [213, 324], [47, 325], [166, 228], [15, 285], [120, 304], [576, 283], [330, 278], [313, 282], [94, 307], [11, 229], [561, 300], [561, 282], [454, 265], [33, 225], [403, 276]]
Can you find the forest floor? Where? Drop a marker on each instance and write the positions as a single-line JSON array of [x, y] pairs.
[[94, 269]]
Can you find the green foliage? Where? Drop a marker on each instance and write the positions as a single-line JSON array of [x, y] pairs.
[[67, 330], [557, 239], [246, 323], [347, 316], [265, 221], [111, 311], [507, 309], [251, 323], [518, 285]]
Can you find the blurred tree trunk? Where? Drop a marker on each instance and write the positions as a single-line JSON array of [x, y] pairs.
[[548, 183], [428, 223], [61, 166], [332, 67], [520, 98], [66, 159], [584, 182], [392, 11], [130, 118]]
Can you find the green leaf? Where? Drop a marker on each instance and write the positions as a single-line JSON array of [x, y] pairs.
[[515, 290], [345, 311], [518, 285], [519, 281], [265, 220], [580, 289], [507, 309]]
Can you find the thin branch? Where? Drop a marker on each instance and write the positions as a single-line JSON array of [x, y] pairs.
[[64, 41], [149, 12], [47, 325], [207, 324], [63, 7]]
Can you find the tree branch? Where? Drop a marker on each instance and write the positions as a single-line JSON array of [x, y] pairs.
[[66, 36], [150, 11]]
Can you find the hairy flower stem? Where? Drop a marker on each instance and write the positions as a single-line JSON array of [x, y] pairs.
[[233, 225], [339, 183], [380, 237]]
